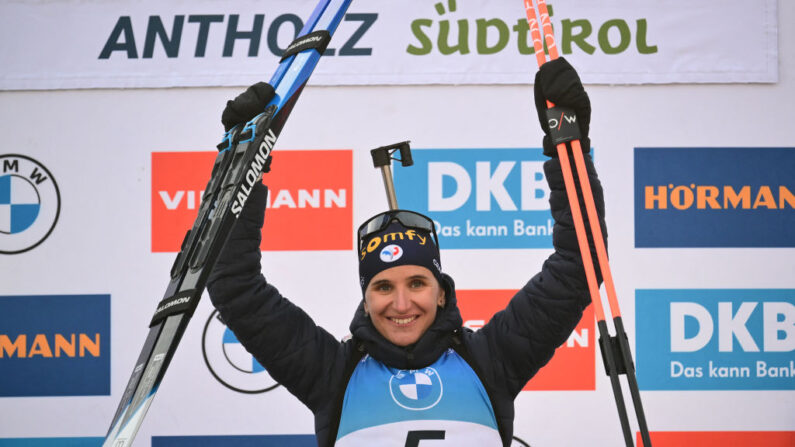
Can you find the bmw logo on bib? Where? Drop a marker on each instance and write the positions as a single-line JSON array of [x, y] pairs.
[[416, 390]]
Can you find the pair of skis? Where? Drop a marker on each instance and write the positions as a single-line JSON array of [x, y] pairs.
[[244, 154], [615, 349]]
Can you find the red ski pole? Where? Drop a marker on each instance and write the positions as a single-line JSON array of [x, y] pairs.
[[615, 349]]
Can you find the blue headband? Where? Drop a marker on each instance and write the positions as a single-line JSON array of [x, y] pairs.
[[394, 246]]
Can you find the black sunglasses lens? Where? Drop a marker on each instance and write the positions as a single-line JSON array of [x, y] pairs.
[[415, 221], [406, 218]]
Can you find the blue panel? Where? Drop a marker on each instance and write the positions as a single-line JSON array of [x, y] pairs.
[[235, 441], [51, 442], [55, 345], [715, 339], [513, 209], [714, 197]]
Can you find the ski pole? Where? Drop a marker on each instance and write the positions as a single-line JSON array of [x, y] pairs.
[[382, 158], [615, 350]]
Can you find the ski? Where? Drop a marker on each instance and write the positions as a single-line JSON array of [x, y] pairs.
[[244, 154], [616, 353]]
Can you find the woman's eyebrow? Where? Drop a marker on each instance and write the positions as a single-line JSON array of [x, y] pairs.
[[419, 276]]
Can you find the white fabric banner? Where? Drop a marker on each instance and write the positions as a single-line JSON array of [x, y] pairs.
[[67, 44]]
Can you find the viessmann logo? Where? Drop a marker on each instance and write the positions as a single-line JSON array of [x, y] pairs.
[[714, 197], [571, 368], [30, 203], [55, 345], [306, 189]]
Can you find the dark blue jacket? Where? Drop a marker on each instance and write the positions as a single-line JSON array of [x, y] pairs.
[[311, 363]]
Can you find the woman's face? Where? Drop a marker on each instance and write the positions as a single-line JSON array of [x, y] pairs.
[[402, 302]]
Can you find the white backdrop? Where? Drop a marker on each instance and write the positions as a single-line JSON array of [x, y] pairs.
[[98, 144]]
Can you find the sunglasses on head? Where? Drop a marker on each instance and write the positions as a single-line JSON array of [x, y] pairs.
[[408, 219]]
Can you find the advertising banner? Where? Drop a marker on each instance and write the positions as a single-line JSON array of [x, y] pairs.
[[308, 188], [722, 438], [722, 339], [55, 345], [714, 197], [481, 198], [131, 43], [573, 365]]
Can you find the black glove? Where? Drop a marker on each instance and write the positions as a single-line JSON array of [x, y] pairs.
[[247, 105], [558, 82]]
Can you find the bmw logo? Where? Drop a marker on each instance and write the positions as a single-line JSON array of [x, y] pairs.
[[30, 203], [229, 362], [416, 390]]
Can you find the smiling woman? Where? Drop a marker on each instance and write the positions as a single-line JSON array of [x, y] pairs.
[[402, 301], [410, 371]]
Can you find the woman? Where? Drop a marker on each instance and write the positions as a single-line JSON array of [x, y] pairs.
[[410, 371]]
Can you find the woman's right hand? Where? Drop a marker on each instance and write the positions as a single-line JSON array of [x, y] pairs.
[[247, 105]]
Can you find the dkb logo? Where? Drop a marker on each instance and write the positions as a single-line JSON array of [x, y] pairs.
[[480, 198], [722, 339], [29, 203]]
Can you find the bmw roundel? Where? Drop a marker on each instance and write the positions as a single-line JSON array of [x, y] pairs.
[[416, 389], [30, 203], [230, 363]]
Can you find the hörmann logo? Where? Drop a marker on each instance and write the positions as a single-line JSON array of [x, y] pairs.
[[30, 203], [714, 197], [480, 198], [302, 192], [721, 339], [254, 172], [55, 345], [723, 197], [571, 368]]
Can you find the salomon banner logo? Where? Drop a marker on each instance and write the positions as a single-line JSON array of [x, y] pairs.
[[29, 203], [481, 198], [55, 345], [714, 197], [716, 339], [229, 362], [416, 390]]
